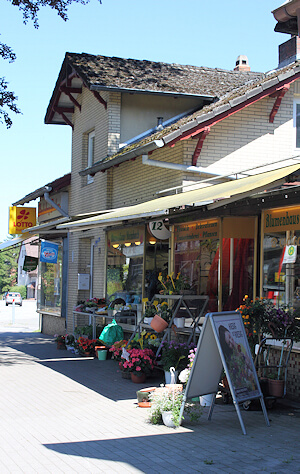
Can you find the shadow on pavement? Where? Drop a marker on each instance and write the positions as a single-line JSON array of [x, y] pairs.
[[104, 377]]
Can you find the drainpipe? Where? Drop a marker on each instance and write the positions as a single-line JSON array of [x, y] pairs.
[[52, 203], [177, 167]]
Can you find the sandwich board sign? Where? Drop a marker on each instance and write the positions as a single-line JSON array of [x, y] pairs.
[[223, 344]]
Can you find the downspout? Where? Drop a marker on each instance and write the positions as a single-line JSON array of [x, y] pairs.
[[177, 167], [52, 203]]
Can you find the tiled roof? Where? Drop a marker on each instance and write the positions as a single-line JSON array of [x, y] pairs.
[[216, 111], [103, 72]]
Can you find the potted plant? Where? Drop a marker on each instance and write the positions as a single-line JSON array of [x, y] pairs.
[[276, 384], [174, 354], [60, 341], [150, 312], [138, 362], [162, 317], [87, 346], [165, 406]]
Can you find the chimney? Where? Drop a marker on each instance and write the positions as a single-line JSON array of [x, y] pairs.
[[242, 63], [289, 52]]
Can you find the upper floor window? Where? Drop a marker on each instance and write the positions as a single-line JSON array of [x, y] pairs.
[[91, 153], [297, 121]]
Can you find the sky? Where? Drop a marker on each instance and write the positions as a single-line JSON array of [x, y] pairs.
[[193, 32]]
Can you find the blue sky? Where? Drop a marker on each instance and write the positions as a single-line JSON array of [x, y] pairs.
[[193, 32]]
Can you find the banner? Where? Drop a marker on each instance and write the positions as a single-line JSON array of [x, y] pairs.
[[49, 252], [30, 263]]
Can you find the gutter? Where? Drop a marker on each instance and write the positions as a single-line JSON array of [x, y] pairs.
[[104, 165]]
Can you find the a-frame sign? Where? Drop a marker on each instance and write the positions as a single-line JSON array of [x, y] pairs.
[[223, 344]]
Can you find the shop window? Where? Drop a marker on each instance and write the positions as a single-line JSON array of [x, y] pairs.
[[157, 257], [50, 285], [281, 274], [196, 258], [125, 258]]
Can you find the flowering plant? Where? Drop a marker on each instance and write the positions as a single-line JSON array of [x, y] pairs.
[[87, 345], [116, 349], [165, 400], [59, 338], [138, 361], [150, 310], [175, 354], [170, 285], [185, 373], [164, 311]]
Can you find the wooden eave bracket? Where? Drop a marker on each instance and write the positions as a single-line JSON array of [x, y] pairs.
[[279, 96], [62, 111], [69, 90], [101, 100], [199, 145]]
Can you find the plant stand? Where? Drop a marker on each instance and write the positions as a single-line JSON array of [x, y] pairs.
[[193, 308]]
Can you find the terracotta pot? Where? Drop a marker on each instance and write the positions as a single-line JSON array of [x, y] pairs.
[[276, 388], [158, 324], [137, 378]]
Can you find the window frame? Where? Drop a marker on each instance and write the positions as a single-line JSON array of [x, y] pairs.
[[90, 154], [296, 103]]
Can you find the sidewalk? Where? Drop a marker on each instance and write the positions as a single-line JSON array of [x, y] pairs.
[[64, 414]]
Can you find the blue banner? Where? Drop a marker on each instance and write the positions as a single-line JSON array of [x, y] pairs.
[[49, 252]]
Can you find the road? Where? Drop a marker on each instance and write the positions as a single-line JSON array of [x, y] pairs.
[[25, 319]]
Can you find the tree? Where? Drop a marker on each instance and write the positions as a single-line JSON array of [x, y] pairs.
[[8, 268], [30, 10]]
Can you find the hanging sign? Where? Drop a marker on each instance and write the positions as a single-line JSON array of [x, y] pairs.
[[290, 254], [223, 344], [159, 230], [21, 218], [30, 263], [49, 252]]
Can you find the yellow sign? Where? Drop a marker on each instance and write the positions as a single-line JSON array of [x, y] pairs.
[[208, 229], [281, 220], [21, 218]]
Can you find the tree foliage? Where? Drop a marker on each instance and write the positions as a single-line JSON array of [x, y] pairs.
[[30, 10], [8, 268]]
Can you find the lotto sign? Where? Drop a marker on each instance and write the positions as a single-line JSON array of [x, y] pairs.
[[21, 218], [49, 252]]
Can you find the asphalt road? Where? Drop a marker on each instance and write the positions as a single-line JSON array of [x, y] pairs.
[[22, 318]]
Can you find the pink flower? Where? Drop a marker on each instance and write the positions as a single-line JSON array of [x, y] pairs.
[[138, 369]]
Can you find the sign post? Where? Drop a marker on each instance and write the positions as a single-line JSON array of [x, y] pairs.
[[13, 311], [223, 344]]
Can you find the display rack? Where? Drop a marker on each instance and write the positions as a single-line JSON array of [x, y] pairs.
[[190, 307]]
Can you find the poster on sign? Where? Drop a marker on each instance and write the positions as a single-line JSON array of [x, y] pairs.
[[49, 252], [223, 345]]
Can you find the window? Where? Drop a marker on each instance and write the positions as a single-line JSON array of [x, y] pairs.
[[297, 121], [91, 153]]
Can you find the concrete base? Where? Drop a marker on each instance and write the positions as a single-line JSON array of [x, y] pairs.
[[51, 324]]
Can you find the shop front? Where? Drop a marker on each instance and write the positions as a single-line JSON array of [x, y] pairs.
[[224, 272], [280, 272]]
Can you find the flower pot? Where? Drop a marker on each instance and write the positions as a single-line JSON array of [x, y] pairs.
[[168, 376], [158, 324], [168, 419], [179, 322], [206, 400], [102, 354], [143, 397], [61, 346], [276, 388], [147, 320], [138, 378], [125, 375]]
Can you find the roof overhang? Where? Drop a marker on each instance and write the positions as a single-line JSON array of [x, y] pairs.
[[221, 193], [288, 17]]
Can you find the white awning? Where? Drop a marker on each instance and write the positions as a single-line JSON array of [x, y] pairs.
[[222, 193]]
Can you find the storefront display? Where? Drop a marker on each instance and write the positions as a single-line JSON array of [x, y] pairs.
[[281, 261], [50, 283]]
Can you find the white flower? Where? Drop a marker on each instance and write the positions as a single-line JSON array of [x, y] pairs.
[[184, 375]]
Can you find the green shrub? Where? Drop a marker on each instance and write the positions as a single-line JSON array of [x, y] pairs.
[[20, 289]]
